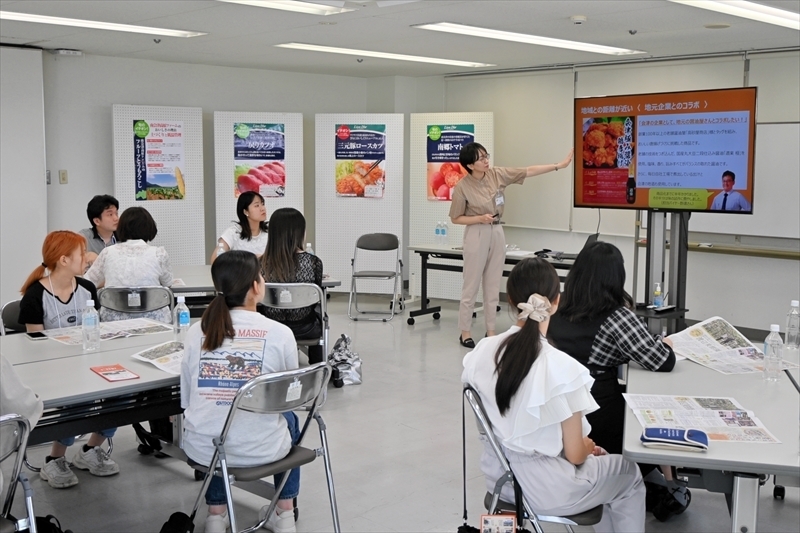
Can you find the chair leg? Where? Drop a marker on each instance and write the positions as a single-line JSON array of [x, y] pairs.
[[350, 302], [323, 437]]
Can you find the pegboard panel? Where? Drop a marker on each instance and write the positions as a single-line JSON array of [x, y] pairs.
[[181, 223], [425, 213], [341, 220], [224, 163]]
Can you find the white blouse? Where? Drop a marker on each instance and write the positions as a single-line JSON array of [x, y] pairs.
[[233, 238], [556, 387], [132, 264]]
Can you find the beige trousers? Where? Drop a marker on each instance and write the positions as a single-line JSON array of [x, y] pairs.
[[484, 256]]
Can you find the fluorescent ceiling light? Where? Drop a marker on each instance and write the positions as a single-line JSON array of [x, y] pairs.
[[748, 10], [292, 5], [382, 55], [95, 25], [476, 31]]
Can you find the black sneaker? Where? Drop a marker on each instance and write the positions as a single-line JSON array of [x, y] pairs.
[[669, 506], [655, 493]]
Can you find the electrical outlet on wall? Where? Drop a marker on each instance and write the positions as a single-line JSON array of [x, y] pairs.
[[63, 178]]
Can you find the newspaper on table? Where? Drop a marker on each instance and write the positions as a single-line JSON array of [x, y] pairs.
[[73, 336], [723, 419], [716, 344], [166, 356]]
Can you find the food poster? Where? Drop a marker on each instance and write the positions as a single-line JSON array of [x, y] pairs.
[[609, 171], [444, 170], [360, 160], [259, 152], [158, 160]]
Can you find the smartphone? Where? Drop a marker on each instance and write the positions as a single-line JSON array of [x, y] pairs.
[[36, 335]]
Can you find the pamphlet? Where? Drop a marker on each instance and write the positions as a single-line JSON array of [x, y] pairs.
[[716, 344], [73, 336], [114, 372], [723, 419], [166, 356]]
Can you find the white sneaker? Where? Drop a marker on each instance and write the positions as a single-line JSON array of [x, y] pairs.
[[281, 521], [217, 523], [96, 461], [58, 474]]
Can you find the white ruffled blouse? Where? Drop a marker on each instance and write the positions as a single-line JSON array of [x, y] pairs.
[[556, 387]]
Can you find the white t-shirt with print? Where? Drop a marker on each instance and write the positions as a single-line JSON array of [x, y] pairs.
[[233, 238], [210, 380]]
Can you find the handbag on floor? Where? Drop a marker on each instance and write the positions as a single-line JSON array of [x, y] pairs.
[[345, 362], [179, 523]]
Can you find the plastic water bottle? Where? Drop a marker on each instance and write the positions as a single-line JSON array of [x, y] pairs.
[[438, 233], [793, 327], [220, 249], [180, 319], [443, 233], [658, 299], [773, 352], [90, 327], [309, 249]]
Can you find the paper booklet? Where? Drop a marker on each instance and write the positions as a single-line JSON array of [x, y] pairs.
[[166, 356], [716, 344], [109, 330], [114, 372]]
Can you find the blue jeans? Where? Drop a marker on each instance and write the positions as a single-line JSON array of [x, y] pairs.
[[69, 441], [215, 495]]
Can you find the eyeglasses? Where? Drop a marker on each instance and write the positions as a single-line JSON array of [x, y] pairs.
[[484, 157]]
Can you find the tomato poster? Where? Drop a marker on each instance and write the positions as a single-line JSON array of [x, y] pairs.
[[360, 160], [259, 153], [444, 170], [158, 160]]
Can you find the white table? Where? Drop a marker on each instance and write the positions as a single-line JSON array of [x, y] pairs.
[[197, 278], [777, 405]]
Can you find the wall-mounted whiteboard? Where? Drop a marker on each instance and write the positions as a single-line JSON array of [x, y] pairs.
[[776, 193], [225, 165], [181, 223]]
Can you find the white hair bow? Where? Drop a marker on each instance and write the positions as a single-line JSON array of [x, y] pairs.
[[537, 308]]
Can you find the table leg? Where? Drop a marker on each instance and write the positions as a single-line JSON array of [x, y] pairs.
[[744, 516], [423, 291]]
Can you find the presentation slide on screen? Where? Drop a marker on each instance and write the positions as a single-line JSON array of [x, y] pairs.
[[689, 151]]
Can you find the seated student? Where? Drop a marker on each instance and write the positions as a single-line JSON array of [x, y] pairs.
[[596, 326], [285, 261], [250, 233], [536, 397], [57, 300], [133, 263], [229, 325], [102, 214]]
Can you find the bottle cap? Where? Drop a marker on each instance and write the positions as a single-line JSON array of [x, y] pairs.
[[89, 303], [795, 303], [181, 299], [774, 327], [658, 286], [308, 245]]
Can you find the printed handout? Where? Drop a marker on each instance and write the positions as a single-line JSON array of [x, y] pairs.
[[73, 336], [166, 356]]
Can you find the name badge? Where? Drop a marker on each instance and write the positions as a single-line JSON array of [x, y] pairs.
[[294, 390], [134, 299], [285, 296], [499, 198]]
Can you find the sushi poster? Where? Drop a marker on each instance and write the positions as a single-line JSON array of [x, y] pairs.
[[158, 160], [360, 160], [259, 153], [444, 170]]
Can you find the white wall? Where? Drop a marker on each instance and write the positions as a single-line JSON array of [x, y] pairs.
[[79, 93], [22, 168]]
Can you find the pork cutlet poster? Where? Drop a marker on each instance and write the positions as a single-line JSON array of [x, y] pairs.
[[259, 153], [158, 160], [444, 145], [360, 154]]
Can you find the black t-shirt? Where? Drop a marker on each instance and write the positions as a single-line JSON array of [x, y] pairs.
[[40, 306]]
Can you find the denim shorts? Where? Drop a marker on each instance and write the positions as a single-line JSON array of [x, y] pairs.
[[69, 441]]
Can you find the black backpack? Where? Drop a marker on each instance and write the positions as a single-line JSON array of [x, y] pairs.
[[179, 523]]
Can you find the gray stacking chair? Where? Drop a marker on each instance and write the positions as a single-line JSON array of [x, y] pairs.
[[375, 242], [492, 499], [275, 393], [296, 296], [14, 432], [135, 299], [10, 318]]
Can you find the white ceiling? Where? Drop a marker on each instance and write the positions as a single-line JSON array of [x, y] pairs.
[[244, 36]]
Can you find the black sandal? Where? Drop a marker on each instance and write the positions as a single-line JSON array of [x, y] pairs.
[[466, 343]]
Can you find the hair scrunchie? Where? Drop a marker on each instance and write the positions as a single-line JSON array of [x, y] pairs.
[[536, 308]]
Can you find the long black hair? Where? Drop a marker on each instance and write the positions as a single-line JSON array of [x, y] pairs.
[[595, 284], [287, 231], [243, 204], [233, 274], [517, 353]]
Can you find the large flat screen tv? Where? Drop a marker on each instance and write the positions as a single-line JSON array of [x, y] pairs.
[[681, 151]]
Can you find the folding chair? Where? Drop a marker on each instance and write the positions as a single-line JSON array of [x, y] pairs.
[[376, 242], [297, 296], [492, 499], [274, 394], [14, 431], [136, 300], [10, 318]]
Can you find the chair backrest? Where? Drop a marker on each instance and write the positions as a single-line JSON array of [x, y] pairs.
[[14, 431], [293, 295], [378, 242], [135, 299], [484, 425], [10, 316]]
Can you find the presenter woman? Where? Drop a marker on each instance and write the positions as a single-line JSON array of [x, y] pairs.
[[477, 202]]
